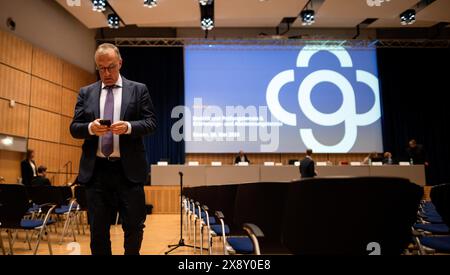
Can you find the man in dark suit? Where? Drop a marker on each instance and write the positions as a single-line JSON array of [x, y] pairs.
[[241, 158], [113, 165], [416, 152], [307, 167], [28, 168]]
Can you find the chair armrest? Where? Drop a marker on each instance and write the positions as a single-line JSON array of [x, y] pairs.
[[219, 215], [253, 229]]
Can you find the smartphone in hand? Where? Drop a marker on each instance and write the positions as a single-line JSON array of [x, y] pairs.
[[106, 122]]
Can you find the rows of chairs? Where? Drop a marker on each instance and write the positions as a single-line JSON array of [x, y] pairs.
[[351, 215], [38, 210], [432, 232]]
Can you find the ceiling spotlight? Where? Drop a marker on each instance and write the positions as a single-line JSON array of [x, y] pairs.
[[113, 21], [99, 5], [205, 2], [307, 17], [408, 17], [150, 3], [207, 23]]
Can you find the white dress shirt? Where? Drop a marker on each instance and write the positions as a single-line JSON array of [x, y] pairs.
[[33, 167], [117, 92]]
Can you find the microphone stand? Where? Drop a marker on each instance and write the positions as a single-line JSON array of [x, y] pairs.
[[181, 241]]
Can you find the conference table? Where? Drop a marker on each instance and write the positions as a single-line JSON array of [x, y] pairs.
[[200, 175]]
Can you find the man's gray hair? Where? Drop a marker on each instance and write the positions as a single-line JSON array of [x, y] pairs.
[[101, 49]]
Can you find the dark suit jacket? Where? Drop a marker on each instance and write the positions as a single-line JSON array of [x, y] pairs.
[[417, 154], [137, 109], [27, 171], [238, 159], [307, 169], [40, 181]]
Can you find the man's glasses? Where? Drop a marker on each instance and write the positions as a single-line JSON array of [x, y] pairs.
[[110, 68]]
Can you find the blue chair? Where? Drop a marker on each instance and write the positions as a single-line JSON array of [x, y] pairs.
[[439, 242], [14, 205]]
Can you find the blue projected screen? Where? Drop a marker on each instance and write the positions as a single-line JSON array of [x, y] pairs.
[[280, 99]]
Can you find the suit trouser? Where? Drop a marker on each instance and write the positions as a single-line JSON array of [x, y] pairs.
[[108, 189]]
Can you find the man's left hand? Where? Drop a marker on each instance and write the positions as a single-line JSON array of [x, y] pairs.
[[119, 128]]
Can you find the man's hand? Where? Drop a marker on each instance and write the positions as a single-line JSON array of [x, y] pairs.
[[97, 129], [119, 128]]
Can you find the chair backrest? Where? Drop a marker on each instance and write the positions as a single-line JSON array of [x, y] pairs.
[[263, 204], [440, 196], [45, 194], [344, 215], [13, 204], [222, 198], [80, 196], [66, 192]]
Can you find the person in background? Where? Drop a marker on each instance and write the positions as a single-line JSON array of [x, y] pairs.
[[41, 179], [370, 157], [241, 158], [388, 158], [416, 153], [307, 166], [28, 168]]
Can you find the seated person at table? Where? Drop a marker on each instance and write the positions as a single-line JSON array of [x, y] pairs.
[[41, 179], [371, 157], [241, 158], [307, 167], [388, 158]]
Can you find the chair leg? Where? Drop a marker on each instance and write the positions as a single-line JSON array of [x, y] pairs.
[[66, 225], [73, 230], [27, 239], [188, 220], [117, 218], [201, 237], [195, 234], [39, 239], [209, 241]]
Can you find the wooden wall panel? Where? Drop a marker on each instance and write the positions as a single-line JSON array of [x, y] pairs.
[[10, 165], [47, 154], [68, 101], [13, 121], [15, 52], [14, 84], [70, 153], [45, 95], [66, 137], [165, 199], [44, 125], [207, 158], [74, 78], [47, 66]]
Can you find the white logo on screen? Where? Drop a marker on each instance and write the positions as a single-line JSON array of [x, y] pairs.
[[347, 111]]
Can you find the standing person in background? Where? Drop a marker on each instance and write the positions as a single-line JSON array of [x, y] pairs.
[[307, 166], [112, 116], [28, 168], [416, 153]]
